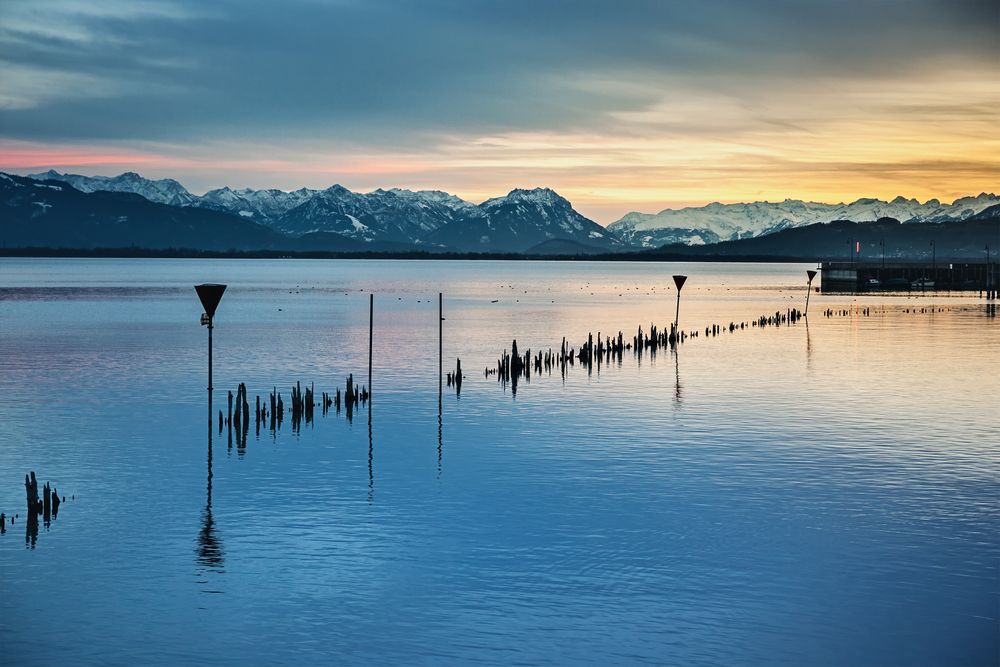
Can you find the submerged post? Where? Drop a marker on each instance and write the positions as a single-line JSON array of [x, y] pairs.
[[371, 322], [210, 294], [679, 281], [809, 289]]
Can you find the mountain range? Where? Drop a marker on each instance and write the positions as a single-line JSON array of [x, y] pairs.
[[431, 219], [845, 239], [101, 211], [727, 222]]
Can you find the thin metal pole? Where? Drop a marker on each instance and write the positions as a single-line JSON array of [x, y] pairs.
[[371, 322], [440, 339], [809, 289], [210, 327], [210, 382]]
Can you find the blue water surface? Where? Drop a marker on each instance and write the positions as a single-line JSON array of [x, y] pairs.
[[823, 493]]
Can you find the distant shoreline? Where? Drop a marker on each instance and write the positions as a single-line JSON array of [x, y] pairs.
[[185, 253]]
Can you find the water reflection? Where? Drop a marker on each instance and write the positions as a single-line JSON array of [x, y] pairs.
[[440, 432], [808, 347], [31, 530], [677, 377], [371, 449], [210, 554]]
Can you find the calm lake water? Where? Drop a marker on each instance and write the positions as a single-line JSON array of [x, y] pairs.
[[805, 495]]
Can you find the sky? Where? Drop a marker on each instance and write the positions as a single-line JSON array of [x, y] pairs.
[[618, 106]]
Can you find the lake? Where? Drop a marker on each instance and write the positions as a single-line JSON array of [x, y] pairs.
[[821, 493]]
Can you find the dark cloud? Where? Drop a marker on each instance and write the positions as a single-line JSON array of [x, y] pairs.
[[377, 71]]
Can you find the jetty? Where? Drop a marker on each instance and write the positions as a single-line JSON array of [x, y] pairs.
[[940, 276]]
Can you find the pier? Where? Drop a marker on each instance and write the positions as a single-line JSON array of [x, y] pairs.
[[876, 276]]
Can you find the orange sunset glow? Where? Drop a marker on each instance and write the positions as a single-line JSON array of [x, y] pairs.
[[886, 121]]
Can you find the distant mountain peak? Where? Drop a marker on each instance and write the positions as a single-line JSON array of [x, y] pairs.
[[533, 196], [338, 189]]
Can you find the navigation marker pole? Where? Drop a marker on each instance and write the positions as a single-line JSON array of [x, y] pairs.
[[210, 294], [809, 289], [679, 281]]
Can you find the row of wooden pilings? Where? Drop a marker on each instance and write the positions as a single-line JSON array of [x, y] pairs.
[[513, 366], [270, 412]]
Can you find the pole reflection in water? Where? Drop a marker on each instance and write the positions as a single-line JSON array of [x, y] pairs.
[[210, 554], [440, 433], [677, 378], [808, 347], [371, 473]]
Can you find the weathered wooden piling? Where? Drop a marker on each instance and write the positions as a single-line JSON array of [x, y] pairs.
[[46, 503], [31, 492], [454, 378]]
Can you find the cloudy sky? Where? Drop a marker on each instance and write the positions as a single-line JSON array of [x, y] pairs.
[[620, 106]]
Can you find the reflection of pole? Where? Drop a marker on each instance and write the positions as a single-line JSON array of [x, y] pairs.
[[677, 376], [440, 433], [371, 322], [371, 457]]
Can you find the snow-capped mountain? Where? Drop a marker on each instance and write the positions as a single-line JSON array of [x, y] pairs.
[[724, 222], [520, 220], [394, 215], [263, 206], [54, 214], [163, 191]]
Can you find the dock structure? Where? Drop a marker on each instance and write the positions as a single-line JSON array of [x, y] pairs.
[[875, 276]]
